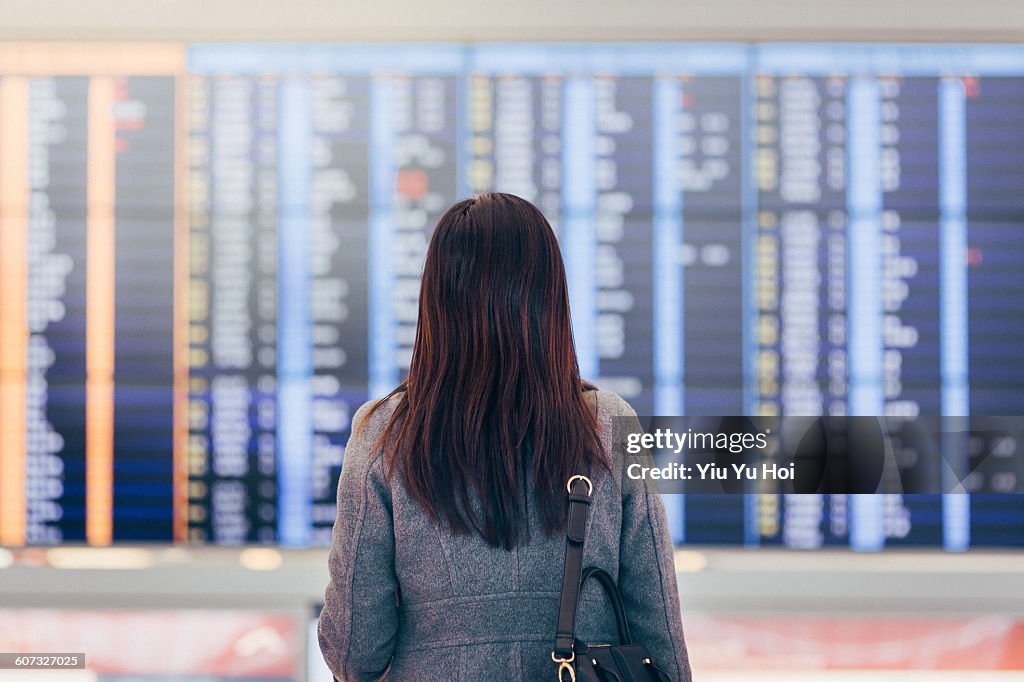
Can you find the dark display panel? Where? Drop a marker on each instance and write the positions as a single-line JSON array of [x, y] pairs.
[[56, 363]]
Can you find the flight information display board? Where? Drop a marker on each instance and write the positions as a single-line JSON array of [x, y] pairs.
[[211, 259], [89, 298]]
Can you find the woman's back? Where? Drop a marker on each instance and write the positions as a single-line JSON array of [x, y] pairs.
[[434, 605], [448, 548]]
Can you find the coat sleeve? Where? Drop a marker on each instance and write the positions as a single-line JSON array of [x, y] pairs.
[[358, 626], [647, 578]]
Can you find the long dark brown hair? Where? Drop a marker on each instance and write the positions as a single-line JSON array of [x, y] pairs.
[[494, 395]]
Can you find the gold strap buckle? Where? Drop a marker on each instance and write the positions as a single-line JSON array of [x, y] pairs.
[[590, 486], [563, 663]]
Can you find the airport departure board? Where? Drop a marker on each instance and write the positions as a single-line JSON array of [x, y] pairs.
[[90, 234], [210, 258]]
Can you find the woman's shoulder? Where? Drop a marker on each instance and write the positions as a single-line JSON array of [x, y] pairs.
[[611, 404], [368, 425], [615, 417], [374, 414]]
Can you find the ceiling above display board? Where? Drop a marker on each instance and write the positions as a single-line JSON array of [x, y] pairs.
[[465, 20]]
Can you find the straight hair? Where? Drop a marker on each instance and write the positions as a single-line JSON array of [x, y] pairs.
[[494, 398]]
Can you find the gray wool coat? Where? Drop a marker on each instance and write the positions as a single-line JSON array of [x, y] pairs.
[[409, 601]]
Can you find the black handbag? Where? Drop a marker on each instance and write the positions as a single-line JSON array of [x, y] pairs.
[[578, 661]]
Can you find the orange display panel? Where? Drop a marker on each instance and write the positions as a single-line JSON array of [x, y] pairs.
[[13, 301], [90, 247], [100, 302]]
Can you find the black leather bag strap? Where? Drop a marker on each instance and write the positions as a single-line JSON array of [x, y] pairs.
[[611, 590], [580, 489]]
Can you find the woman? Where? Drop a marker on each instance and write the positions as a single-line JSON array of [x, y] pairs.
[[448, 548]]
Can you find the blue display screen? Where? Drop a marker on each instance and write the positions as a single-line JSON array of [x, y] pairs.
[[747, 229]]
